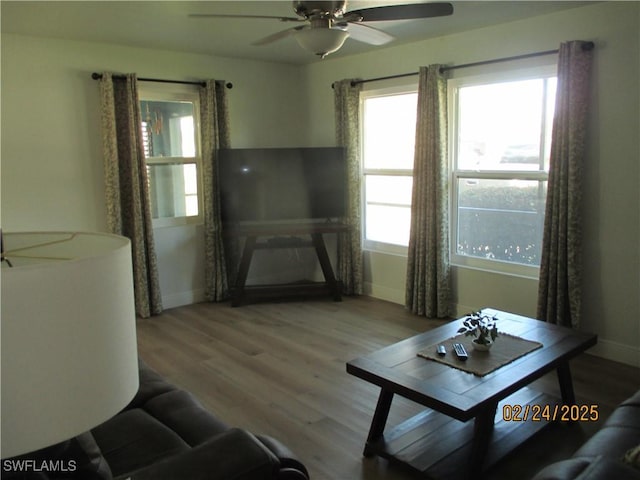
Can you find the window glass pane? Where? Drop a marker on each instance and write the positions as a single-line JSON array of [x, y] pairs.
[[388, 208], [501, 219], [387, 189], [168, 128], [389, 126], [388, 224], [173, 190], [191, 205], [499, 126], [190, 179]]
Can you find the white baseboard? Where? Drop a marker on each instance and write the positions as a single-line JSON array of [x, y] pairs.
[[183, 298]]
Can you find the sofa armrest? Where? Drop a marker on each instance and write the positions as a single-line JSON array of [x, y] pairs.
[[234, 454], [288, 461]]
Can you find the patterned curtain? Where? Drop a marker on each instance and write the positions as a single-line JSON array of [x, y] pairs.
[[127, 196], [347, 111], [559, 290], [214, 118], [428, 276]]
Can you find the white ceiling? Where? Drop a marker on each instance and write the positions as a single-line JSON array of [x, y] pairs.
[[166, 25]]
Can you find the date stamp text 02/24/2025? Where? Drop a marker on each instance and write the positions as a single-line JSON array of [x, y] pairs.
[[550, 413]]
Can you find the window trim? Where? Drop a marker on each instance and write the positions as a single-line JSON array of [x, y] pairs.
[[453, 84], [398, 88], [178, 93]]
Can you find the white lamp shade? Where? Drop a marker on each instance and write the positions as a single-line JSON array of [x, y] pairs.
[[69, 354], [321, 41]]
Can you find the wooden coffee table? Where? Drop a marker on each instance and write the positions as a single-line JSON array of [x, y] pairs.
[[440, 441]]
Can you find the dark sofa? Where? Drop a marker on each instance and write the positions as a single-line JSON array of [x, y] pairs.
[[603, 455], [165, 433]]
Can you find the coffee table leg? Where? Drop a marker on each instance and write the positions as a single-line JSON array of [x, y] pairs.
[[378, 422], [566, 384], [482, 430]]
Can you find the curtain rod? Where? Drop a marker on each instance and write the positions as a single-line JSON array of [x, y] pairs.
[[585, 46], [98, 76]]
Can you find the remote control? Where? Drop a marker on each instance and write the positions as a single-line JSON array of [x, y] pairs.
[[461, 353], [441, 350]]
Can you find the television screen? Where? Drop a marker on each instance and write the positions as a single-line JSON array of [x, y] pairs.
[[282, 184]]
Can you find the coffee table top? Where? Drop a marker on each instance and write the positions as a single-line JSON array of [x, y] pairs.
[[459, 394]]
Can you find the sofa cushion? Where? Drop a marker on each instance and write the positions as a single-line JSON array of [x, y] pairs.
[[599, 468], [626, 415], [90, 463], [151, 384], [232, 455], [606, 468], [181, 412], [610, 441], [563, 469], [134, 439]]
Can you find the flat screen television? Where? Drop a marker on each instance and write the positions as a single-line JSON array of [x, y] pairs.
[[282, 184]]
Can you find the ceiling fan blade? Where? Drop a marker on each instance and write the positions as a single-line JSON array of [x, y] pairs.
[[402, 12], [220, 15], [278, 36], [367, 34]]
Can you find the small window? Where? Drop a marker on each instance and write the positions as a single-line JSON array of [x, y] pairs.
[[500, 144], [388, 137], [170, 117]]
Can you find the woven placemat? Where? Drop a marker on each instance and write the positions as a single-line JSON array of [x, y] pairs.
[[506, 348]]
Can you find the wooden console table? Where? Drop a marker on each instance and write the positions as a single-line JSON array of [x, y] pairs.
[[284, 235]]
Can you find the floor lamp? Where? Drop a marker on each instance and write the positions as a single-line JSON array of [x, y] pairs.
[[69, 353]]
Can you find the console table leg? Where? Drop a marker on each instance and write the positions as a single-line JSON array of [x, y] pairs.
[[243, 270], [566, 384], [325, 263], [378, 422]]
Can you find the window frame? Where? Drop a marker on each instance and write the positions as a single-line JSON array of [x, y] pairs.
[[178, 93], [453, 86], [391, 90]]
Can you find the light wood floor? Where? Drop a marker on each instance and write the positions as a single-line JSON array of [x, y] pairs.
[[279, 369]]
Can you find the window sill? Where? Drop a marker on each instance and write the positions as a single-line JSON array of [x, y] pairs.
[[385, 248], [176, 222]]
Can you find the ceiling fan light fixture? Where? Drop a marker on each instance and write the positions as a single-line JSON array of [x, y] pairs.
[[321, 41]]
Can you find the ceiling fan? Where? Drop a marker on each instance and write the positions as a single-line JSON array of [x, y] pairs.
[[325, 25]]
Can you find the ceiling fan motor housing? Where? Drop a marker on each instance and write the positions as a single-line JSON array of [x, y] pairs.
[[310, 9]]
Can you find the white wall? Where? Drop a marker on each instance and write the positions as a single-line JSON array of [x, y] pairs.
[[52, 174], [611, 223]]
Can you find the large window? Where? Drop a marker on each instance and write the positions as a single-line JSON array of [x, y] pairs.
[[171, 146], [500, 142], [388, 136]]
